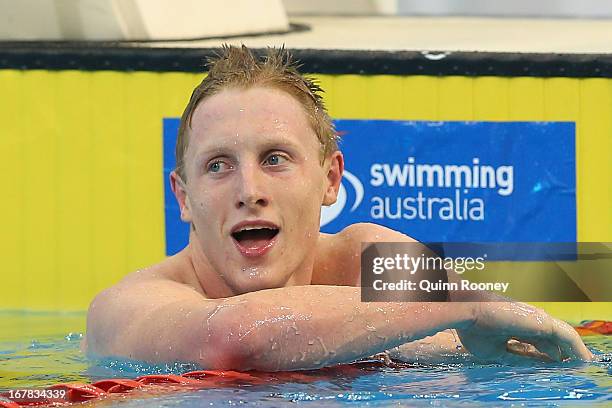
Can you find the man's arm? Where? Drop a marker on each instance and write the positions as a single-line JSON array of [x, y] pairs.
[[292, 328], [280, 329], [442, 345]]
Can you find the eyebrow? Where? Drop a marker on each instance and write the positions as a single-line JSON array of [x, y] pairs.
[[226, 149]]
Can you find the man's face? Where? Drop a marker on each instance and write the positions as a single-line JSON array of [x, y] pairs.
[[255, 186]]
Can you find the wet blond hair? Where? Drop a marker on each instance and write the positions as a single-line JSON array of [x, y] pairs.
[[238, 67]]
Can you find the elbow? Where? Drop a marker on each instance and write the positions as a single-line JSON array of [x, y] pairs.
[[224, 341], [228, 353], [248, 336]]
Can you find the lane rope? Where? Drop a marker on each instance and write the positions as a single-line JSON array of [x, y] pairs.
[[148, 385]]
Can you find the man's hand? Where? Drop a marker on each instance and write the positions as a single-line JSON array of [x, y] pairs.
[[498, 326], [442, 348]]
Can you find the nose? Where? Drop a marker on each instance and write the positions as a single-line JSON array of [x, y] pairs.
[[251, 188]]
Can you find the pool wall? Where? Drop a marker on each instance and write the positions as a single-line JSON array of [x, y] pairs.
[[81, 154]]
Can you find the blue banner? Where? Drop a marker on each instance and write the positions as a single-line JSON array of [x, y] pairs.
[[177, 232], [443, 181]]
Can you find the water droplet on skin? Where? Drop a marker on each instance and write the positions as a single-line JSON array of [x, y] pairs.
[[254, 272], [294, 327], [310, 342], [210, 317], [325, 352]]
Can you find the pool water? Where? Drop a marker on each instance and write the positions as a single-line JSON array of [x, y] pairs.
[[41, 349]]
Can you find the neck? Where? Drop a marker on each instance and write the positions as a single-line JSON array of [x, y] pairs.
[[210, 281]]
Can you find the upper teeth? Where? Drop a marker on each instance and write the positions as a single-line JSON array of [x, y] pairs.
[[252, 228]]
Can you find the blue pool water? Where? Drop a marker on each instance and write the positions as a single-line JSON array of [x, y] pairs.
[[38, 350]]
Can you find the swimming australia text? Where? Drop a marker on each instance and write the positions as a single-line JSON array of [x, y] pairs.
[[444, 191]]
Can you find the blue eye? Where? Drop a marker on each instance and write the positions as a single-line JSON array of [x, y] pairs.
[[275, 159], [217, 167]]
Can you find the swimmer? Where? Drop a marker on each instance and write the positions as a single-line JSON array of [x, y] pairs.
[[258, 287]]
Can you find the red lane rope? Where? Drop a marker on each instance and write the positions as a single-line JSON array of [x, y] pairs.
[[82, 392], [594, 327], [162, 383]]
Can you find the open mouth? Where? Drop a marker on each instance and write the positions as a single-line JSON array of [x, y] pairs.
[[255, 237]]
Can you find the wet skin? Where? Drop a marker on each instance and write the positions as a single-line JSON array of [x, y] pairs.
[[286, 299], [253, 157]]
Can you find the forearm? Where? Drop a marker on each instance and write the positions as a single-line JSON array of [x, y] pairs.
[[314, 326], [442, 347]]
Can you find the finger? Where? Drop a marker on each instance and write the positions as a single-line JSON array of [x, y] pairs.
[[552, 350], [527, 349], [561, 334], [570, 343], [549, 348]]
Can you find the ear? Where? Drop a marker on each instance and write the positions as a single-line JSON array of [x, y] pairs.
[[180, 192], [334, 177]]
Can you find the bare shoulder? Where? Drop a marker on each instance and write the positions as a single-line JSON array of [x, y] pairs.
[[339, 255], [368, 232], [114, 313], [166, 276]]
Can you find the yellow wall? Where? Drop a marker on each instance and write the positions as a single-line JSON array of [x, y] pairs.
[[81, 164]]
